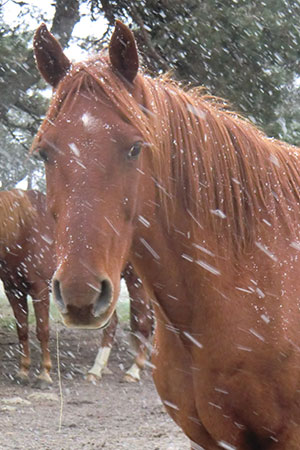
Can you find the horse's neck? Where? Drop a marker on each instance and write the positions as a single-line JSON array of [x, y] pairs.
[[160, 254]]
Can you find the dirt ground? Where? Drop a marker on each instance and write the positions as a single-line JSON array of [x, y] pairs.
[[110, 415]]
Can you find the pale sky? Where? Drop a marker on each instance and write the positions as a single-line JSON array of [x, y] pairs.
[[82, 29]]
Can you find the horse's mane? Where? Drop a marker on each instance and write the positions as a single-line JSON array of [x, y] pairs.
[[227, 173], [16, 213]]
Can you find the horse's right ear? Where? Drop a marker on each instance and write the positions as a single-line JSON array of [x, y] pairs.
[[50, 58]]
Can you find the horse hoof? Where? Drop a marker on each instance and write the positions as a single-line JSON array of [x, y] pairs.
[[22, 378], [43, 381], [92, 378], [130, 379], [44, 378], [133, 374]]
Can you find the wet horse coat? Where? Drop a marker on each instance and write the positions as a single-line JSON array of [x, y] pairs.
[[207, 209]]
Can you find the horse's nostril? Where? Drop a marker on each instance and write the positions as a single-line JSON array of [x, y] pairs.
[[104, 299], [58, 297]]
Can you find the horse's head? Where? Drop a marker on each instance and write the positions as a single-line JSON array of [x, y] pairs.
[[92, 156]]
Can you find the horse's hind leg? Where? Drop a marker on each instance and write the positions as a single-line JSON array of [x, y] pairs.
[[40, 299], [100, 364], [18, 302], [141, 322]]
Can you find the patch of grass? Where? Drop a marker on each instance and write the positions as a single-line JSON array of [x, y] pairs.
[[54, 313], [7, 323], [123, 310], [123, 303], [7, 319]]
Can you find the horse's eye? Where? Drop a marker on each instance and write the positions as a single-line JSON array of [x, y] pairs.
[[135, 150], [41, 154]]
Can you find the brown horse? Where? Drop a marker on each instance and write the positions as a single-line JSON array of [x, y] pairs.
[[207, 209], [26, 268]]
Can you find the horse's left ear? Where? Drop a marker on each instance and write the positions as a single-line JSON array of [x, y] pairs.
[[123, 52], [50, 58]]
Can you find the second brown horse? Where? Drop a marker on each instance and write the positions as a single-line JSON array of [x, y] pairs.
[[26, 266]]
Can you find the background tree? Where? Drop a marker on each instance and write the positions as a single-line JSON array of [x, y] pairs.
[[243, 50], [22, 102]]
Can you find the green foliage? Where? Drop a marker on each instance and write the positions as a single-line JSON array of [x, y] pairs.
[[123, 310], [19, 119], [23, 101]]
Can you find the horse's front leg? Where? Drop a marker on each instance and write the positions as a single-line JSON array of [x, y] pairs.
[[141, 323], [100, 364], [40, 298], [18, 302]]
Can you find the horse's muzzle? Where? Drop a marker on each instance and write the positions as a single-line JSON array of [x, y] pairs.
[[84, 305]]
